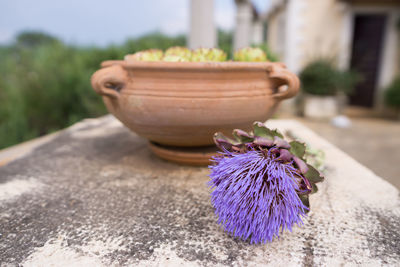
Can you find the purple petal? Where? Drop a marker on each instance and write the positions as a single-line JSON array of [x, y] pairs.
[[262, 141], [285, 155], [239, 132], [279, 142], [255, 197], [301, 165]]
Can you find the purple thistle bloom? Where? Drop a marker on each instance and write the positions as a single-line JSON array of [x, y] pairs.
[[255, 194]]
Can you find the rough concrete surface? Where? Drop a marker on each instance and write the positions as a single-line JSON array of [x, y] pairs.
[[372, 141], [95, 195]]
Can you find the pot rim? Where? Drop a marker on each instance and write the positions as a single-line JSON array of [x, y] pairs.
[[227, 65]]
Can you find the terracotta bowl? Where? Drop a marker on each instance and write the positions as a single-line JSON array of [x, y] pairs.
[[182, 104]]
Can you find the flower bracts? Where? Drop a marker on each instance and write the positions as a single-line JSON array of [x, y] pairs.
[[260, 183]]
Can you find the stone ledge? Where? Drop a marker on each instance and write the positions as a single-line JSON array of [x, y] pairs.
[[11, 153], [95, 195]]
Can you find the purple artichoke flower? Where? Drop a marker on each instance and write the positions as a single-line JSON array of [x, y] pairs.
[[260, 187]]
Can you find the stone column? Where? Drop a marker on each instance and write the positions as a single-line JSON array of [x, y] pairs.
[[202, 25], [347, 36], [243, 27], [294, 19], [257, 32], [389, 56]]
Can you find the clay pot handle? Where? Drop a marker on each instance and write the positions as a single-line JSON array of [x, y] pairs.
[[109, 81], [287, 78]]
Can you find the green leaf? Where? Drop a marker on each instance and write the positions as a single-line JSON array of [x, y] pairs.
[[260, 130], [242, 136], [275, 132], [223, 142], [221, 136], [314, 189], [313, 175], [305, 200], [263, 131], [298, 149]]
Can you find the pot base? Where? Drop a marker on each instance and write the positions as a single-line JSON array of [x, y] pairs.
[[194, 156]]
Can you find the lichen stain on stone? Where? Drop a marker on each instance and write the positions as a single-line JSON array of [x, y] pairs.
[[11, 190], [54, 253], [384, 238]]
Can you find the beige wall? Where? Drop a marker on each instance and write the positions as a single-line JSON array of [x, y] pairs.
[[319, 30], [276, 33], [322, 30], [325, 30]]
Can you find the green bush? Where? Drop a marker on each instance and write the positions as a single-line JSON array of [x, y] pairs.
[[392, 94], [45, 89], [45, 84], [225, 41], [30, 39], [320, 77]]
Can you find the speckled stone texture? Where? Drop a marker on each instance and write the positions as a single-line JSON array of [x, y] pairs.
[[95, 195]]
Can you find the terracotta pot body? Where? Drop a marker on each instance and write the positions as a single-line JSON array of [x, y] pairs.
[[185, 103]]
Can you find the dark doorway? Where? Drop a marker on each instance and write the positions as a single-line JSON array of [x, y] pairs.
[[366, 56]]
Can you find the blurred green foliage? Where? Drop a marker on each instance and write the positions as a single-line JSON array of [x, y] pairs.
[[320, 77], [225, 41], [392, 94], [45, 84], [31, 39]]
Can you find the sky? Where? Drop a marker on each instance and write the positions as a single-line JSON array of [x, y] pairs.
[[103, 22]]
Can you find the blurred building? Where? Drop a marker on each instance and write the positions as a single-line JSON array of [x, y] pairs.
[[358, 34], [249, 26]]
